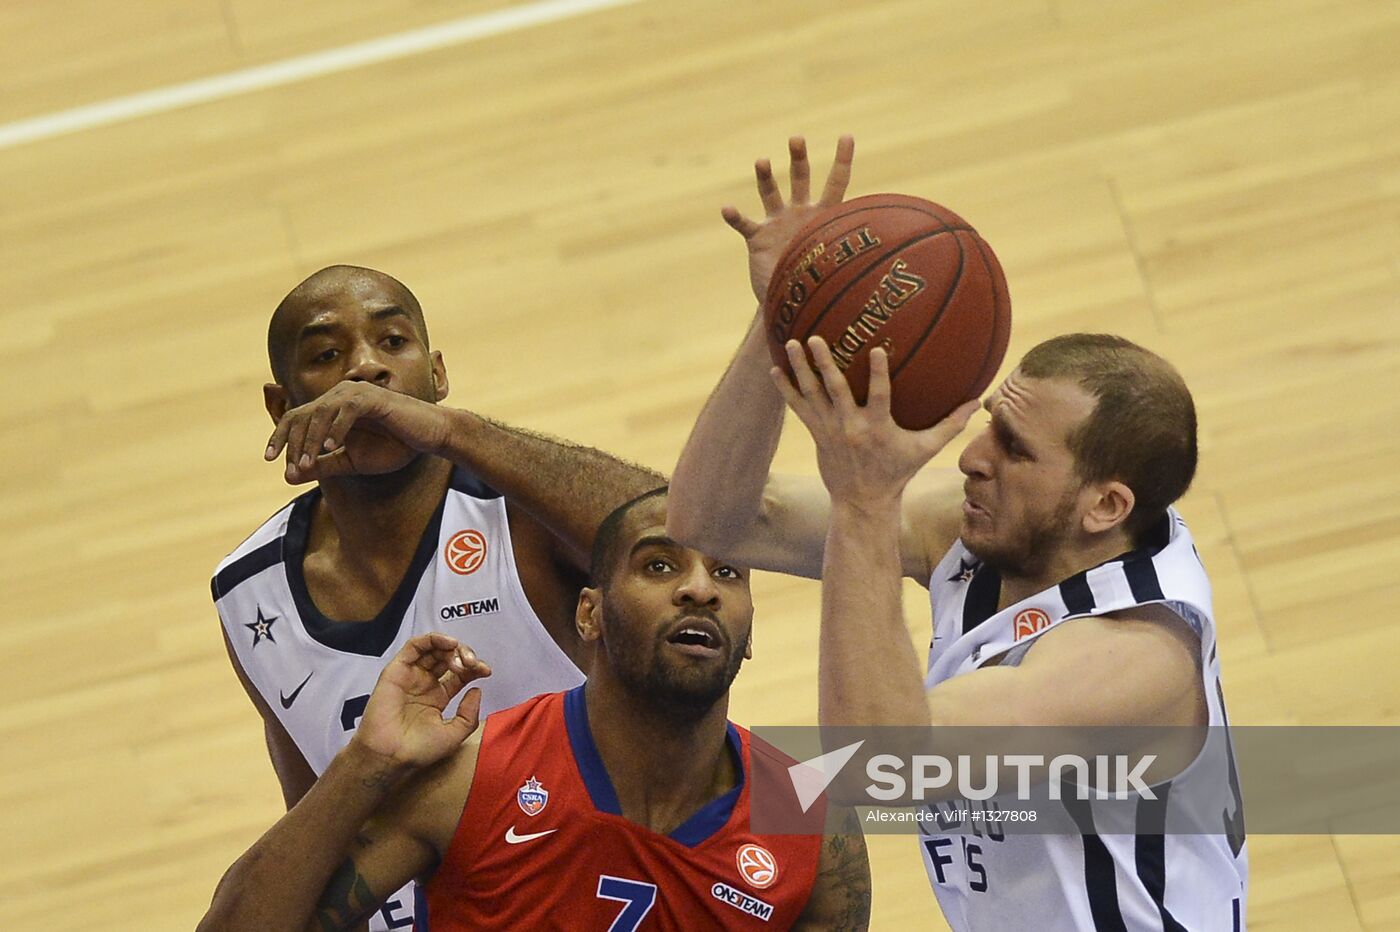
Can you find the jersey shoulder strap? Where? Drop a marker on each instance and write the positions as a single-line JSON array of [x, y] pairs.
[[258, 551]]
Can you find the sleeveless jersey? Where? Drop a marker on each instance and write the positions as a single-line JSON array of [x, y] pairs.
[[542, 843], [1133, 878], [316, 674]]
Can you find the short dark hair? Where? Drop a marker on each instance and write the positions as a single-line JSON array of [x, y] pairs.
[[282, 328], [1142, 431], [608, 541]]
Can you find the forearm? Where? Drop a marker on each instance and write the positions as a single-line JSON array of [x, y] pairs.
[[868, 671], [568, 488], [277, 883], [717, 488]]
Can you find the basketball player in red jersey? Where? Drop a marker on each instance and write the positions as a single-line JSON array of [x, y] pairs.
[[422, 518], [621, 804]]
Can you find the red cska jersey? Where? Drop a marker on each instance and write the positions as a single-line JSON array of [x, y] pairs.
[[542, 843]]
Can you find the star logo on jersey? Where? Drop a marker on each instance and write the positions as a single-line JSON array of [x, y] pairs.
[[757, 865], [532, 797], [262, 628], [966, 570], [1028, 621], [465, 552]]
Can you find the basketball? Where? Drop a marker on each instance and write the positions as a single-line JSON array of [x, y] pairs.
[[901, 273]]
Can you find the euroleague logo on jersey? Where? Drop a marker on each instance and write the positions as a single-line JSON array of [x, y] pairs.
[[757, 865], [465, 552], [1029, 621]]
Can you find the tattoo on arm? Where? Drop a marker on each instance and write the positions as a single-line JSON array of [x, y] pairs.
[[847, 876], [347, 900]]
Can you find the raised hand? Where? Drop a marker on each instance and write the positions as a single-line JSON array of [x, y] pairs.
[[768, 238], [403, 722], [863, 455], [356, 428]]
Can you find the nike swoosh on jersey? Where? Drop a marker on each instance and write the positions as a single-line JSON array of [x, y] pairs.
[[514, 839], [288, 700]]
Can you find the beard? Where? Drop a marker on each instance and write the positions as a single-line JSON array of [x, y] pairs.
[[1029, 552], [676, 688]]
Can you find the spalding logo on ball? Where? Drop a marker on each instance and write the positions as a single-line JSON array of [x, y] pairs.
[[905, 274]]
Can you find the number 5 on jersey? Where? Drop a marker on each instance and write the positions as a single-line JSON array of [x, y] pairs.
[[640, 898]]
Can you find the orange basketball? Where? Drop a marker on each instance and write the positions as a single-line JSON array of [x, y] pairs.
[[903, 273]]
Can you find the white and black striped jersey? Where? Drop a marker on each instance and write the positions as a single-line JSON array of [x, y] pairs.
[[1119, 873], [316, 674]]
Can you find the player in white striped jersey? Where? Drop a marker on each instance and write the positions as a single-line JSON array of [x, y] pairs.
[[1066, 592], [424, 518]]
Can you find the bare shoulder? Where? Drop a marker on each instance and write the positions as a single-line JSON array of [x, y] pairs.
[[429, 805], [1140, 665], [931, 520], [1156, 623], [1145, 628], [406, 839]]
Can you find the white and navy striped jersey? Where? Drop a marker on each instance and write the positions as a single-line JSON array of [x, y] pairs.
[[1135, 877], [316, 674]]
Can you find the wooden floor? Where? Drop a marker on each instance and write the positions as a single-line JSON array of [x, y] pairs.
[[1220, 180]]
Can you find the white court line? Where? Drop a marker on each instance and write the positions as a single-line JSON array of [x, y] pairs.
[[290, 70]]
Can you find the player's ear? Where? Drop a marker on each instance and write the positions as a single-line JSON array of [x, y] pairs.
[[588, 615], [275, 400], [1110, 506], [748, 646], [439, 377]]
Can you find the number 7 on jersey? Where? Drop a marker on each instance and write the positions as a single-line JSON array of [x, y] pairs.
[[640, 898]]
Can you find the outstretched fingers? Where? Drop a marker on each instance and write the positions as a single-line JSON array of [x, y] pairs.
[[801, 170], [839, 178], [768, 191], [807, 382], [877, 397], [741, 224], [833, 379]]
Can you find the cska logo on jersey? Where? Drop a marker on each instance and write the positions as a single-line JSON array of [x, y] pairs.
[[757, 865], [465, 552], [1029, 621], [532, 797]]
